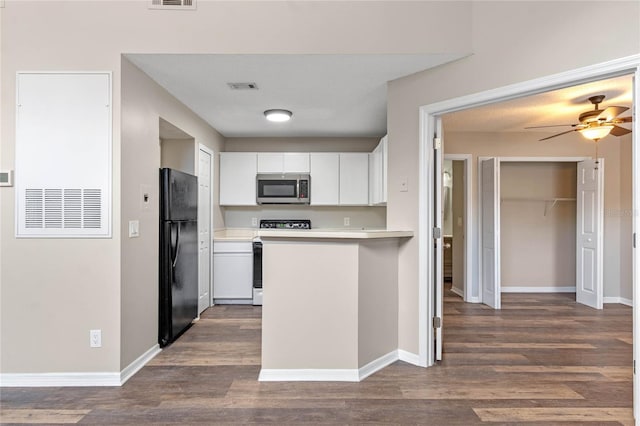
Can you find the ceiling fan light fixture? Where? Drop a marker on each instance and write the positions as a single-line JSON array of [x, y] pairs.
[[278, 115], [596, 133]]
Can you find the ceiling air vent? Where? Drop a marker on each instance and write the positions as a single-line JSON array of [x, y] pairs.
[[173, 4], [242, 86]]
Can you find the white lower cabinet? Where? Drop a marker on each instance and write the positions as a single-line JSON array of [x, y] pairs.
[[232, 271]]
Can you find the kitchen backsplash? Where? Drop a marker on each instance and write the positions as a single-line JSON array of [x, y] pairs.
[[321, 217]]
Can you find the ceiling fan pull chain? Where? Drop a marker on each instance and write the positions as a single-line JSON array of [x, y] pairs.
[[596, 155]]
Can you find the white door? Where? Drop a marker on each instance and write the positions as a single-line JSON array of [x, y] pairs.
[[438, 258], [204, 229], [490, 198], [589, 214]]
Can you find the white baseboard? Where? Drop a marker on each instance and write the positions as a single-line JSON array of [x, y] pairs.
[[78, 379], [621, 300], [538, 289], [308, 375], [409, 357], [457, 291], [377, 365], [140, 362], [326, 374], [59, 379]]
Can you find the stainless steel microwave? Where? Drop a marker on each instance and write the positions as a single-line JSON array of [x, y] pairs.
[[283, 188]]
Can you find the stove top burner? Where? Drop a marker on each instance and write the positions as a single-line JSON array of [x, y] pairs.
[[285, 224]]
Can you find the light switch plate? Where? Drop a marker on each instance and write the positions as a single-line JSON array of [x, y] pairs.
[[404, 184], [134, 229]]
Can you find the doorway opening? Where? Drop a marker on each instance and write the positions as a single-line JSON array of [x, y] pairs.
[[431, 155]]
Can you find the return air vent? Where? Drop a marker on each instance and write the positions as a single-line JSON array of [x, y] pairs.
[[173, 4], [243, 86], [54, 208]]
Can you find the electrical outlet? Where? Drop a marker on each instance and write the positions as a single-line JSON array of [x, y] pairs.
[[95, 338], [254, 221], [347, 221]]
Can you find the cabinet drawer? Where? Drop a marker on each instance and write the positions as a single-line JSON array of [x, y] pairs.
[[233, 247]]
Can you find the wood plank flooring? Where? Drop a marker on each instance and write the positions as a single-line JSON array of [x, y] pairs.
[[542, 359]]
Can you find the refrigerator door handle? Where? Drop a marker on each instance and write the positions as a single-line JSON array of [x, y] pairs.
[[175, 259]]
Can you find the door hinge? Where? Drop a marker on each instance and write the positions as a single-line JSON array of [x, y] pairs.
[[437, 322], [437, 143], [634, 366], [437, 233], [634, 240]]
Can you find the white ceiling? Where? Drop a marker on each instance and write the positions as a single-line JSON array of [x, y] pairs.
[[561, 106], [329, 95]]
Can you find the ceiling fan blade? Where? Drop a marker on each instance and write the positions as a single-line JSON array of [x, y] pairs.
[[619, 131], [553, 125], [559, 134], [611, 112], [623, 119]]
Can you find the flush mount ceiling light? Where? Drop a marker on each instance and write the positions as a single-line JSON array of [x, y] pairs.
[[278, 115]]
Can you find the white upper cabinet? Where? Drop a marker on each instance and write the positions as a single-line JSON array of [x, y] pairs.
[[295, 162], [354, 179], [378, 173], [270, 162], [238, 178], [325, 179], [279, 162]]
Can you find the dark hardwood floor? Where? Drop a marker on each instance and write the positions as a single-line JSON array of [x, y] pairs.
[[542, 359]]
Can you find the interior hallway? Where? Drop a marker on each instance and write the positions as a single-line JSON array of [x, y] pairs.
[[542, 358]]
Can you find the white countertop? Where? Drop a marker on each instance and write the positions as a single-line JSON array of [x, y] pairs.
[[248, 234], [334, 233]]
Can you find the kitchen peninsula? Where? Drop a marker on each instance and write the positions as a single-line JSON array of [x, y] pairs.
[[330, 303]]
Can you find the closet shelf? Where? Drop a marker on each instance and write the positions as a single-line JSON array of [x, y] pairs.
[[549, 203]]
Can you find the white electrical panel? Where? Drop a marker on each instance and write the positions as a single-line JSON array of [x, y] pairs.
[[63, 155]]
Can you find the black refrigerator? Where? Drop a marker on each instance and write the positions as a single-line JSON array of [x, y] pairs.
[[178, 254]]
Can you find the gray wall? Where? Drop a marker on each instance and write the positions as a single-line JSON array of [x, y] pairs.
[[143, 104], [87, 286], [508, 47]]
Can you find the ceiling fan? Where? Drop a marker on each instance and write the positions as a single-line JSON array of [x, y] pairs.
[[597, 123]]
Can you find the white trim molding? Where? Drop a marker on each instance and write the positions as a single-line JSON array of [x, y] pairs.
[[621, 300], [429, 114], [569, 289], [326, 374], [457, 291], [140, 362], [409, 357], [377, 365], [24, 380], [59, 379], [308, 375]]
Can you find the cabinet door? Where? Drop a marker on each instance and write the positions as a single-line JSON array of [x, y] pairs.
[[270, 162], [238, 178], [295, 162], [384, 148], [325, 177], [232, 275], [354, 179]]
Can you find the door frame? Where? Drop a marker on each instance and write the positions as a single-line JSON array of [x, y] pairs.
[[467, 295], [431, 114], [523, 159], [209, 151]]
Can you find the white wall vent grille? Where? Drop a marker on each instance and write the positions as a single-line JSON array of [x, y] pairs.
[[173, 4], [63, 155]]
